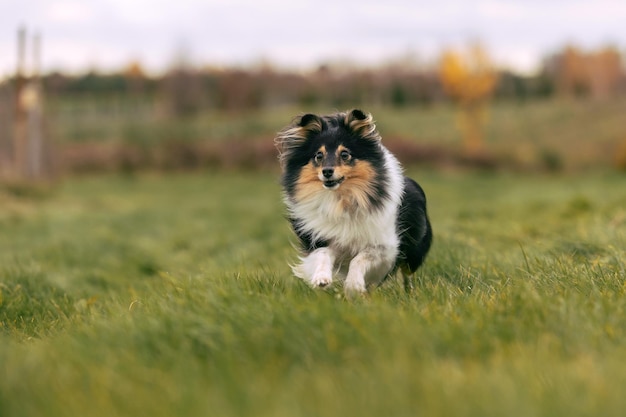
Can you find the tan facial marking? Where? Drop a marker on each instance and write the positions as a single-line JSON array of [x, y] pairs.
[[308, 182], [357, 187]]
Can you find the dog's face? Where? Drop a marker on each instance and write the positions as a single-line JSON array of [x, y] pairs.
[[339, 153], [334, 162]]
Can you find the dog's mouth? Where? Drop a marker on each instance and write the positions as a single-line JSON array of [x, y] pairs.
[[333, 184]]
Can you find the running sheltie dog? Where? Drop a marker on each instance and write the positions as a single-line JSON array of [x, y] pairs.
[[356, 215]]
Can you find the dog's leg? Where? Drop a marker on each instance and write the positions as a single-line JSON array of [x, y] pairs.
[[369, 266], [407, 277], [317, 267]]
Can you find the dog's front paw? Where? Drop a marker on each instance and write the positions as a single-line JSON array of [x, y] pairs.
[[316, 268], [321, 280], [354, 287]]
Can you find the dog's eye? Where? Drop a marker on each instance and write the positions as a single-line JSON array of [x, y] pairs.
[[319, 156], [345, 156]]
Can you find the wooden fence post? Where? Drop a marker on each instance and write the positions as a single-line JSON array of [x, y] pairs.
[[28, 150], [33, 106], [19, 126]]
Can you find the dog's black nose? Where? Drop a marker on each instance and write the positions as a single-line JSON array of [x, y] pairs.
[[327, 172]]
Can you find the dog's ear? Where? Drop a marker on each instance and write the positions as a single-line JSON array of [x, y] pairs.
[[295, 135], [356, 114], [309, 119], [362, 124], [308, 123]]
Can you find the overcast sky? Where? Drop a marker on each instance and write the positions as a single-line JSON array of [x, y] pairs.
[[106, 34]]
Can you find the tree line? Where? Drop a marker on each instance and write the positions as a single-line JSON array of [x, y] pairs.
[[186, 89]]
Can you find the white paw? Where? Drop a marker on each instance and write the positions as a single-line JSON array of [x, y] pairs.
[[321, 280], [316, 268], [352, 286]]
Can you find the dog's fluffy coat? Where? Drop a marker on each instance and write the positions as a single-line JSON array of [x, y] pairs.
[[355, 213]]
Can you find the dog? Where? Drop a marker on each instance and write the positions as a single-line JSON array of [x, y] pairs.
[[355, 214]]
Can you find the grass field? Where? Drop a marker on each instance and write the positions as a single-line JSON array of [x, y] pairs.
[[558, 134], [171, 295]]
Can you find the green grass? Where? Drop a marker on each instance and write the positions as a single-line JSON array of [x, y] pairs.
[[171, 295]]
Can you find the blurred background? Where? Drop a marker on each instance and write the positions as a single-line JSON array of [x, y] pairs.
[[112, 85]]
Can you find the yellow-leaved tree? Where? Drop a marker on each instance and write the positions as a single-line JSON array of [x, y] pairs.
[[469, 78]]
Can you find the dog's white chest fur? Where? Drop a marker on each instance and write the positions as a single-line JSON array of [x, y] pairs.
[[347, 228]]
